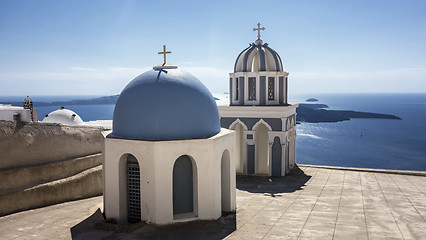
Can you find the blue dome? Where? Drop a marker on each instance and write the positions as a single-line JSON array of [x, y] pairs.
[[167, 104]]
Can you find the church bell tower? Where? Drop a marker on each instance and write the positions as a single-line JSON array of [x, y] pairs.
[[264, 122], [258, 77]]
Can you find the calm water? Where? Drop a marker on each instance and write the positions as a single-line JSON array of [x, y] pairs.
[[371, 143], [86, 112]]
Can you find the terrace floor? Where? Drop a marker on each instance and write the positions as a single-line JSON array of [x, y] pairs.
[[310, 203]]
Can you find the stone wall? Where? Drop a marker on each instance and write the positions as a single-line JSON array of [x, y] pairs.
[[25, 144], [44, 163], [17, 179], [82, 185]]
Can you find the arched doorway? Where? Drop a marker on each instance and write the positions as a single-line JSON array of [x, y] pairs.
[[276, 157], [261, 149], [225, 172], [133, 189], [183, 186]]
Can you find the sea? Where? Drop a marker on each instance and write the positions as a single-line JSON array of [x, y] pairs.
[[364, 143]]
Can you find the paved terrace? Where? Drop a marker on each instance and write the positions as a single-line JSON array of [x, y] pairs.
[[310, 203]]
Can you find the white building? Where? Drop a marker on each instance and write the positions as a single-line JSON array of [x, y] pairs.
[[63, 116], [20, 114], [14, 113], [167, 159], [265, 124]]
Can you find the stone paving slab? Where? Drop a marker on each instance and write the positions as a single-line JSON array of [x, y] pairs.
[[310, 203]]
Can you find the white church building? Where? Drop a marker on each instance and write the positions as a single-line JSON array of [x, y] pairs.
[[170, 156], [264, 122], [167, 159]]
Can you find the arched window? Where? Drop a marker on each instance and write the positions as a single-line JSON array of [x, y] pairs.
[[251, 88], [236, 88], [183, 186], [271, 88]]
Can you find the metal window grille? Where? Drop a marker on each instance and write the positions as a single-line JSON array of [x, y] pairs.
[[252, 88], [236, 88], [133, 193], [271, 88]]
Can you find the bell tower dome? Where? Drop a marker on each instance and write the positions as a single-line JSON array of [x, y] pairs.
[[259, 77]]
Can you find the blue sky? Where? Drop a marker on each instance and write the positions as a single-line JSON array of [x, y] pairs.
[[96, 47]]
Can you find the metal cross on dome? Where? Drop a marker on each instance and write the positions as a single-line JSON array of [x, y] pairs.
[[164, 52], [258, 30]]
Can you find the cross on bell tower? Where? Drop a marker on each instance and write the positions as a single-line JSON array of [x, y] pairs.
[[164, 52], [258, 30]]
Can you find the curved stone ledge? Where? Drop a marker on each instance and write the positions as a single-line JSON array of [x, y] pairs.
[[17, 179], [82, 185], [31, 144]]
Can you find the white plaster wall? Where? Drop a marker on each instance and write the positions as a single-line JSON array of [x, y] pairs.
[[166, 153], [258, 111], [114, 205], [7, 112], [282, 112], [227, 142], [156, 160]]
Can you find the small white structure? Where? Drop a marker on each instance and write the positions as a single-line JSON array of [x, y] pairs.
[[20, 114], [264, 122], [167, 159], [63, 116], [13, 113]]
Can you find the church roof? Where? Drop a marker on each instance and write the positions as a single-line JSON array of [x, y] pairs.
[[258, 57], [63, 116], [165, 104]]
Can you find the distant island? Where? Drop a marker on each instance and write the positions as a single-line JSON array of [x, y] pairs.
[[306, 112], [92, 101], [315, 113]]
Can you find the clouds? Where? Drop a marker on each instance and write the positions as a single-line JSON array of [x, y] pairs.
[[76, 80], [84, 80], [335, 81], [91, 50], [215, 79], [85, 69]]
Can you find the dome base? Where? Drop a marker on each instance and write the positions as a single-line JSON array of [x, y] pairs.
[[164, 66]]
